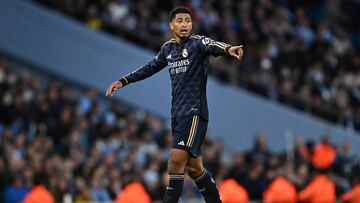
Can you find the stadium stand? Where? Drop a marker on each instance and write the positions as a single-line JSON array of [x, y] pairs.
[[304, 54]]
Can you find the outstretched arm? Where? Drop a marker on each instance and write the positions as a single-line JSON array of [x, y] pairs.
[[216, 48], [154, 66]]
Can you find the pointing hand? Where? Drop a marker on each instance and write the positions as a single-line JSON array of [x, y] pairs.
[[114, 86]]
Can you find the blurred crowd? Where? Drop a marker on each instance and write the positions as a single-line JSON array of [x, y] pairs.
[[75, 144], [304, 53]]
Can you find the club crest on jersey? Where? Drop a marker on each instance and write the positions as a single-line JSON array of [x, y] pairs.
[[185, 53]]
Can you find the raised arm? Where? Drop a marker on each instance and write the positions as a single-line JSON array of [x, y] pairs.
[[147, 70]]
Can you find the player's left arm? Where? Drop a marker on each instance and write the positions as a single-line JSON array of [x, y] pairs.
[[216, 48]]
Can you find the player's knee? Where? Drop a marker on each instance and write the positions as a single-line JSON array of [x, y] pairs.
[[176, 165], [194, 172]]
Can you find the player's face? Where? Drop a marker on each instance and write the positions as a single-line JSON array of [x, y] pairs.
[[181, 25]]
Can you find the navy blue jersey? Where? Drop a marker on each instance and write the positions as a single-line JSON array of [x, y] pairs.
[[188, 65]]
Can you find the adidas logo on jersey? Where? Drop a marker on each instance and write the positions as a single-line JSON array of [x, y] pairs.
[[169, 57], [181, 143]]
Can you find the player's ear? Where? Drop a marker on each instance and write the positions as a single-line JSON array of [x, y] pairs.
[[171, 25]]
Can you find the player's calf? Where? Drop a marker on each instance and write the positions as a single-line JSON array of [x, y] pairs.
[[176, 167], [207, 187], [174, 190]]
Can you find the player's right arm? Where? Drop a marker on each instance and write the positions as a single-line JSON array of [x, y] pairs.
[[147, 70]]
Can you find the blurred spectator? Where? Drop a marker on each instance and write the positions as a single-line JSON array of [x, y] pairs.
[[15, 192], [98, 191], [92, 17], [320, 189], [344, 159], [133, 193], [260, 151], [83, 192], [118, 11], [239, 167], [254, 182], [231, 192], [352, 196], [280, 189], [38, 192], [322, 155]]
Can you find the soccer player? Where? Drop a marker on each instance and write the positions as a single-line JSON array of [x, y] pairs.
[[186, 56]]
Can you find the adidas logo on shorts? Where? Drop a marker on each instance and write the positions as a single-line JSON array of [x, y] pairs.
[[181, 143]]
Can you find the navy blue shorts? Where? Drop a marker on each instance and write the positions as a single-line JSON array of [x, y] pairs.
[[189, 133]]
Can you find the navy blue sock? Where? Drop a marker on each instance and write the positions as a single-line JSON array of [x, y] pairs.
[[174, 190], [207, 187]]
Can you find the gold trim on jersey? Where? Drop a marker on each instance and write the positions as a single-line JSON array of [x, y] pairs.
[[221, 46]]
